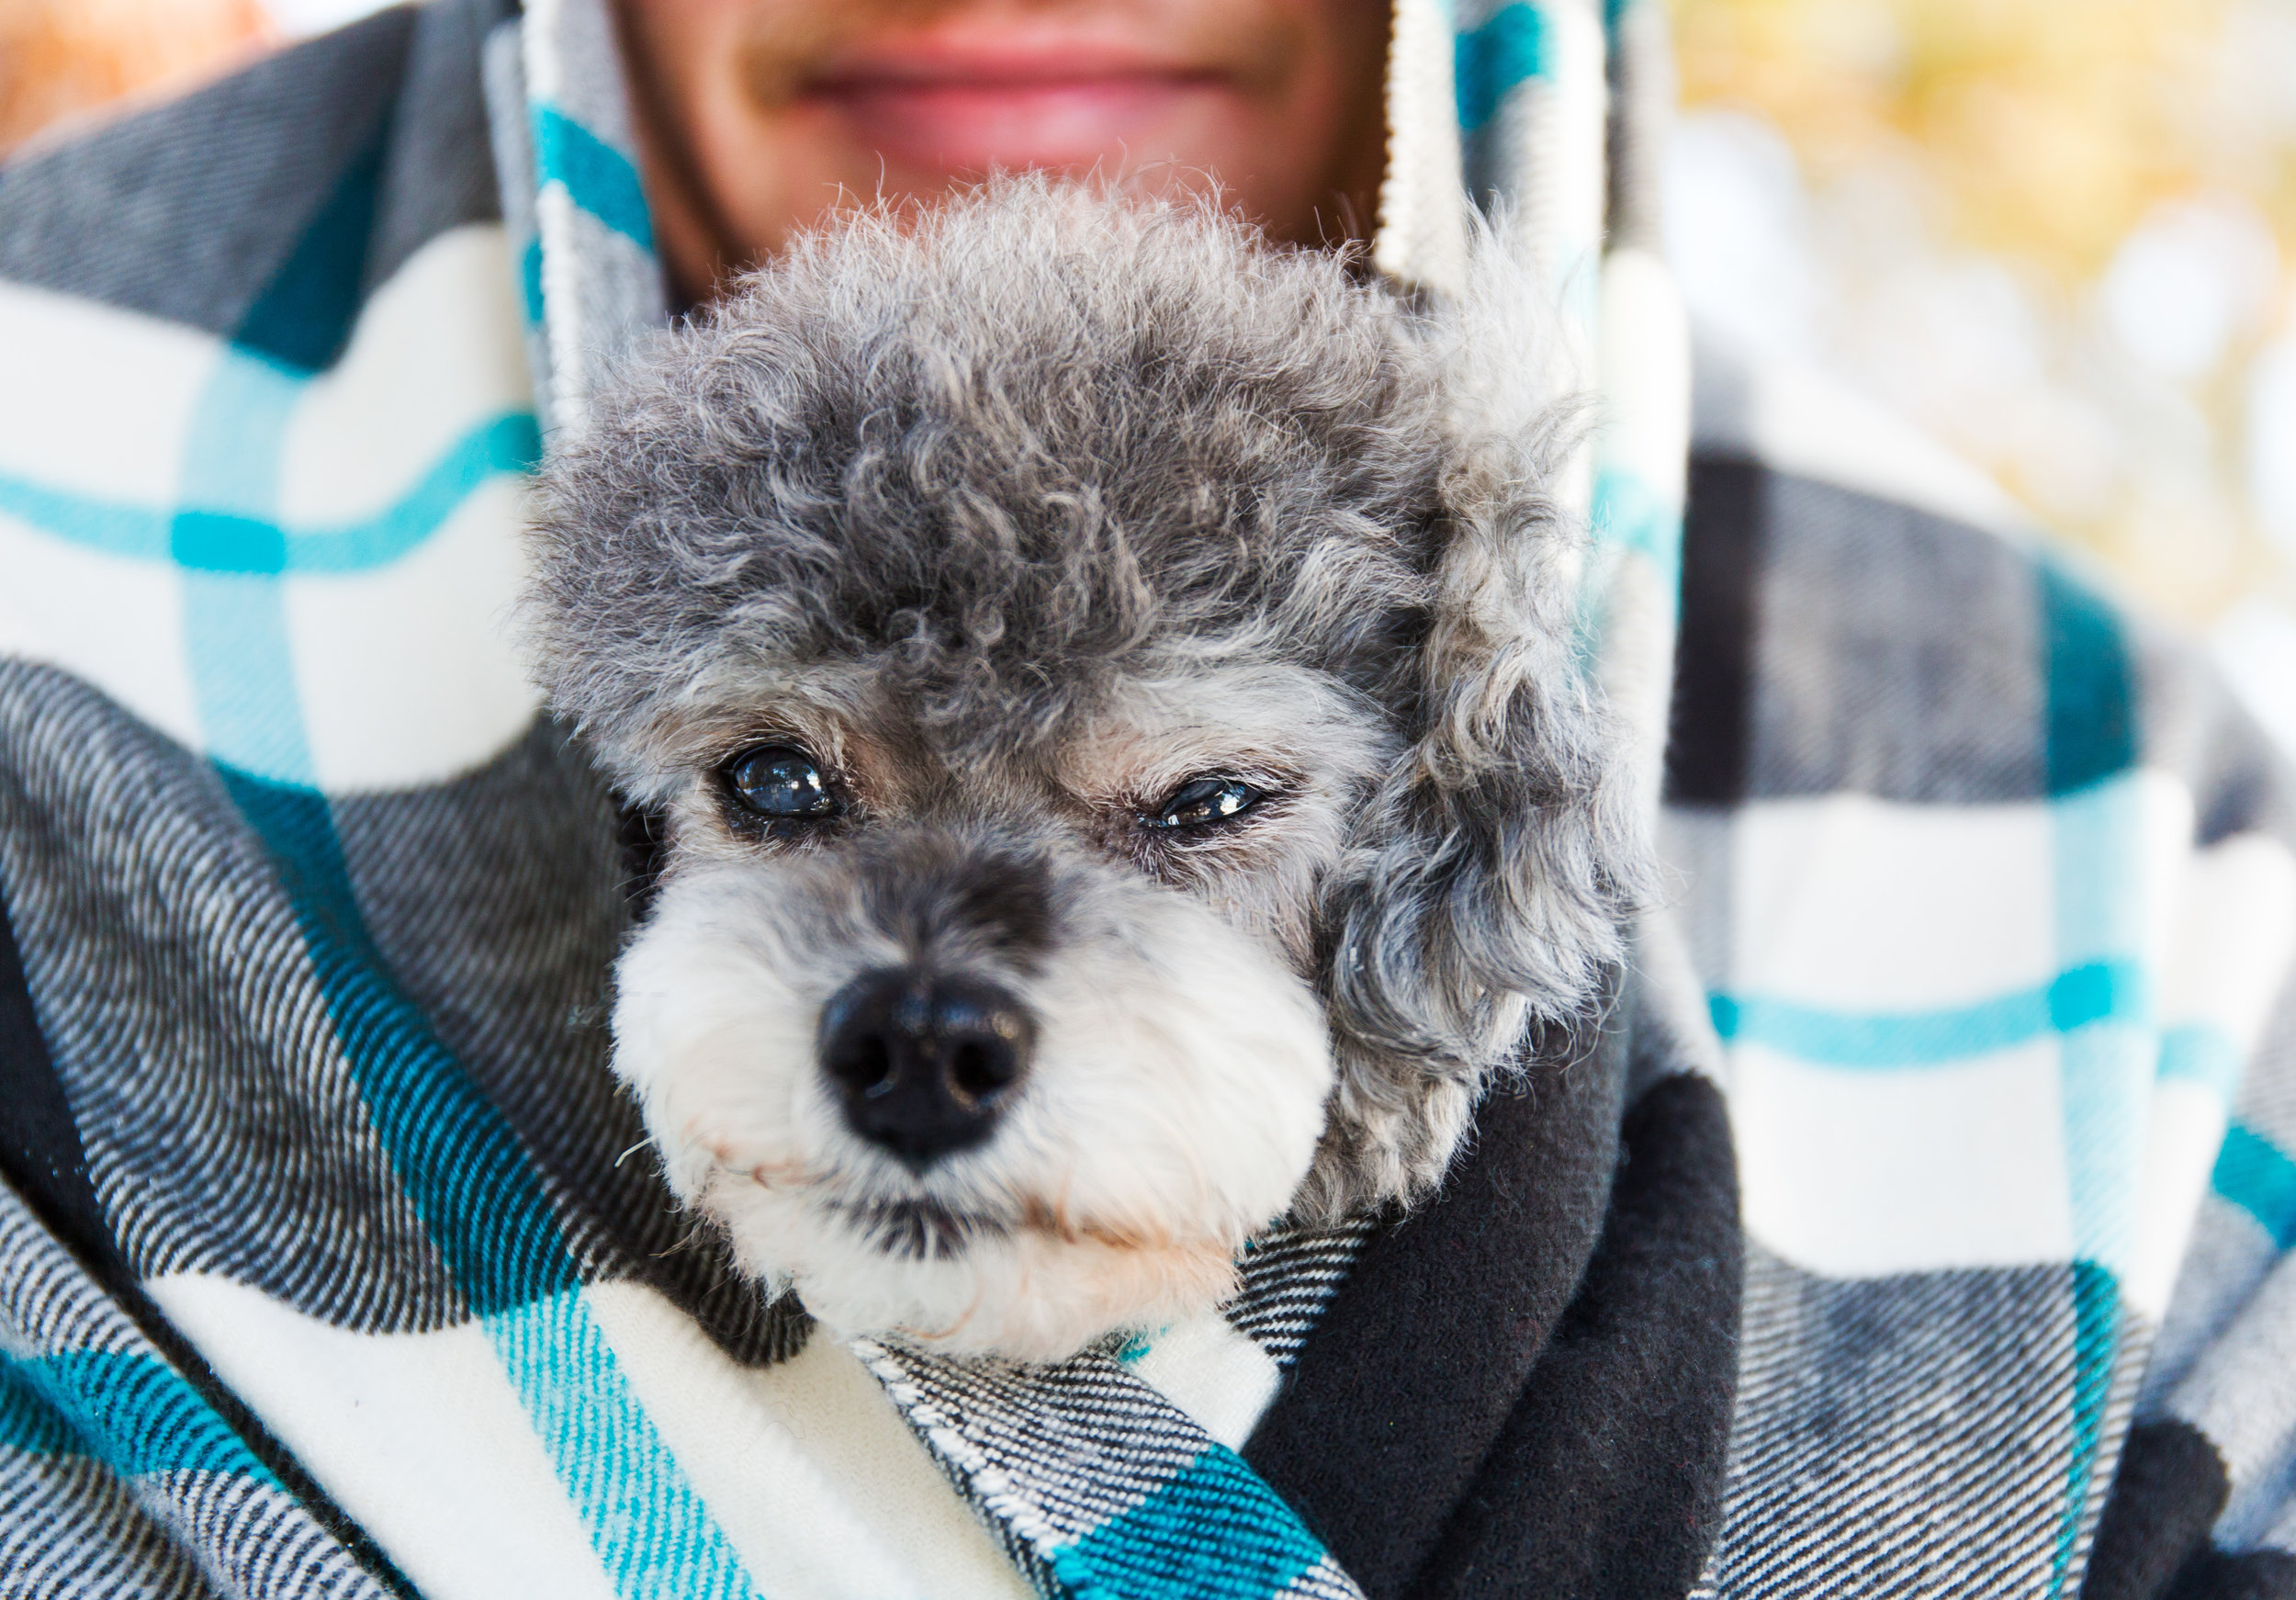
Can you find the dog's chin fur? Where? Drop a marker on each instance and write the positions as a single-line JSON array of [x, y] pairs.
[[1015, 516], [1171, 1111], [1032, 1295]]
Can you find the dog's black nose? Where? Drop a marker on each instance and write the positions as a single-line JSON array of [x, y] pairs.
[[923, 1062]]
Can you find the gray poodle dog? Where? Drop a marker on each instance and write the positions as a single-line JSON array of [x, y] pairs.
[[1111, 683]]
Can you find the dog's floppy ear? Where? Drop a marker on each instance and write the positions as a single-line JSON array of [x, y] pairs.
[[1490, 883]]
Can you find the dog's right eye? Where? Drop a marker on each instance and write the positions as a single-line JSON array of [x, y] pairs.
[[780, 783], [1203, 801]]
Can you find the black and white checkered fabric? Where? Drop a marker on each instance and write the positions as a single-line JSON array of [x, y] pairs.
[[1289, 1278], [328, 1261]]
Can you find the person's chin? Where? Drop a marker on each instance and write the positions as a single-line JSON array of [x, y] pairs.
[[967, 132]]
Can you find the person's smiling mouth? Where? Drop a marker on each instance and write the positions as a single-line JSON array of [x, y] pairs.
[[977, 110]]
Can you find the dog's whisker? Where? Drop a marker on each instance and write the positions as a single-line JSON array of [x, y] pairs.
[[782, 1175], [1051, 1217], [691, 1239], [1054, 1218], [1059, 1205], [964, 1316], [633, 1150]]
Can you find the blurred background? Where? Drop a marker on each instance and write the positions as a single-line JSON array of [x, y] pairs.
[[2056, 234]]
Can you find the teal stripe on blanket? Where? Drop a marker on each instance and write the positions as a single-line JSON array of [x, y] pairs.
[[1216, 1531], [2091, 731], [229, 541], [598, 177], [458, 1161], [135, 1413], [2199, 1054], [1508, 49], [530, 282], [653, 1533], [483, 1204], [304, 315], [1628, 512], [2095, 993], [2258, 1177], [1629, 515], [2096, 1339], [28, 1423], [478, 1191], [2107, 1074]]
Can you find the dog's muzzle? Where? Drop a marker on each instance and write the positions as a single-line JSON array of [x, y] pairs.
[[923, 1062]]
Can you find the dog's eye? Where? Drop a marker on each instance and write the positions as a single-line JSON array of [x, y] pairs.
[[781, 782], [1202, 800]]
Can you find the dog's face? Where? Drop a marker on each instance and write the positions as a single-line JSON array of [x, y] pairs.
[[1125, 778], [1009, 1040]]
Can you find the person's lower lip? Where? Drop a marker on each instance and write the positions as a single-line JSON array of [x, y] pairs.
[[974, 126]]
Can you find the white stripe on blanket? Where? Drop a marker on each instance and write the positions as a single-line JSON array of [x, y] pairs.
[[419, 1436], [112, 620], [1868, 1173], [434, 357], [822, 1490], [2235, 934], [65, 356], [392, 481], [1941, 1087], [1807, 877], [806, 1465], [408, 674], [1221, 1378]]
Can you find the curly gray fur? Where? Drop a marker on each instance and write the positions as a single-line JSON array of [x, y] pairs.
[[1003, 455]]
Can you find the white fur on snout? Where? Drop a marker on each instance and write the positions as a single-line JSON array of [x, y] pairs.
[[1170, 1111]]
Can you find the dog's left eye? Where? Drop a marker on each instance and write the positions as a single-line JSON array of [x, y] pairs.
[[781, 783], [1202, 800]]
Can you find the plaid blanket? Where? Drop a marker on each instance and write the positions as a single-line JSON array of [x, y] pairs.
[[1917, 1221]]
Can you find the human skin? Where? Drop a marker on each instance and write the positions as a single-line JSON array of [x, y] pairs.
[[756, 117]]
